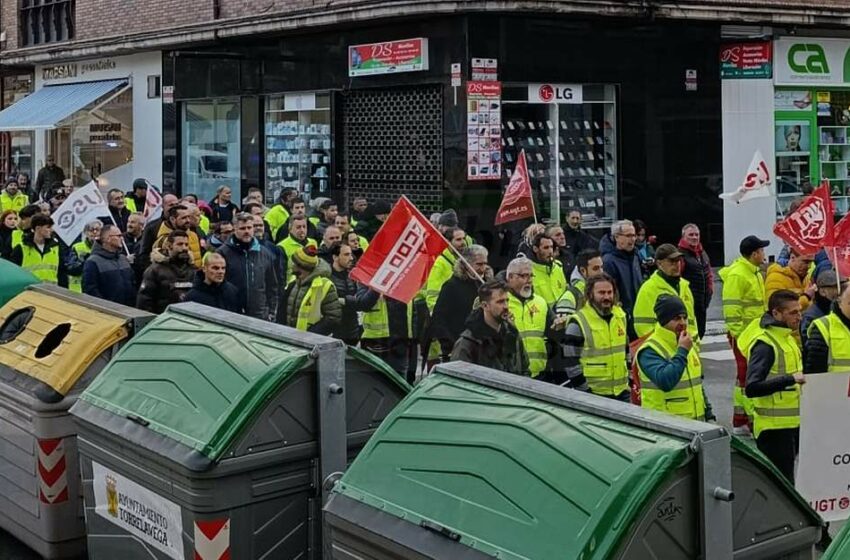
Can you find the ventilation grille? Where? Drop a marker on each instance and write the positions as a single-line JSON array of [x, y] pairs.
[[393, 145]]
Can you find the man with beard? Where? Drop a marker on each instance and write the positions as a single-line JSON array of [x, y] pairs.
[[549, 280], [297, 239], [827, 291], [151, 233], [299, 210], [588, 264], [169, 277], [531, 316], [332, 236], [457, 297], [594, 347], [623, 266], [666, 280], [135, 226], [349, 330], [278, 214], [251, 268], [490, 340]]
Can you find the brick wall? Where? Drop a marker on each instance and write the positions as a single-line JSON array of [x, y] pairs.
[[107, 18], [9, 22]]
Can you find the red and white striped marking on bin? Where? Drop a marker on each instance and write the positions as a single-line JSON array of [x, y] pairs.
[[52, 471], [212, 539]]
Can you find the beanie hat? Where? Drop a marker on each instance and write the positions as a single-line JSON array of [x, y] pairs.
[[448, 218], [306, 257], [668, 308]]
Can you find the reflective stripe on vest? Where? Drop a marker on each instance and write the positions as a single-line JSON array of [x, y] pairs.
[[603, 356], [310, 311], [549, 281], [530, 321], [650, 291], [686, 399], [376, 323], [837, 337], [743, 301], [46, 267], [780, 410]]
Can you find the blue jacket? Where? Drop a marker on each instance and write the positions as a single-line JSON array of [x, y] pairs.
[[109, 276], [625, 269], [251, 268], [665, 374]]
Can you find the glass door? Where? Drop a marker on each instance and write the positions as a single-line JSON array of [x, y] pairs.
[[211, 146]]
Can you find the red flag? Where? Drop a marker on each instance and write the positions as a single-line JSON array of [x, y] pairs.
[[839, 255], [810, 227], [400, 257], [517, 202]]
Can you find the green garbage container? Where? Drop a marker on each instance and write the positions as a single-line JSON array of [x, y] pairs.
[[13, 280], [213, 433], [840, 547], [478, 464]]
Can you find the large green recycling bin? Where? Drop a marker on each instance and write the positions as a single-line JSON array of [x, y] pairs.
[[213, 433], [478, 464], [840, 547], [13, 280]]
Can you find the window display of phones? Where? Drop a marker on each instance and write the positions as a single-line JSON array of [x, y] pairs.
[[298, 148], [571, 151]]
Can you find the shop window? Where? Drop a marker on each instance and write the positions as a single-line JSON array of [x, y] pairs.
[[570, 148], [16, 147], [46, 21], [211, 147], [100, 138], [298, 145]]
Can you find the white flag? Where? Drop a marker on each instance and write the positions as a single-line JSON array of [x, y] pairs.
[[153, 203], [81, 207], [755, 184]]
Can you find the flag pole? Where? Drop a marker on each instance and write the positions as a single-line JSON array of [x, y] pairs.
[[123, 242], [837, 273]]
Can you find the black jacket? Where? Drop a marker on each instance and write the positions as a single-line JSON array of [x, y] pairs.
[[119, 216], [252, 270], [223, 213], [816, 350], [453, 307], [109, 276], [353, 300], [5, 242], [759, 381], [221, 296], [48, 177], [625, 269], [697, 271], [143, 250], [480, 344], [164, 282]]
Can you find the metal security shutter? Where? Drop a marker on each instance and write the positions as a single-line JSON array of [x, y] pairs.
[[393, 145]]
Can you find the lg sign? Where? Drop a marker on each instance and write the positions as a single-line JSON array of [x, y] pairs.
[[555, 93]]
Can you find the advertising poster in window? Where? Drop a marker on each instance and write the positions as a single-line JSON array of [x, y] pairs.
[[792, 138], [484, 131]]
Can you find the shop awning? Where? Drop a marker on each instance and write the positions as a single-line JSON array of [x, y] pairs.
[[50, 105]]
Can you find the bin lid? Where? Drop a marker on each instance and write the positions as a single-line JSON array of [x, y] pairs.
[[840, 547], [505, 474], [13, 280], [54, 340], [195, 381]]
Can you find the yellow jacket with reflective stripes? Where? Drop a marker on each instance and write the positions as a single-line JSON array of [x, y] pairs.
[[549, 280], [650, 291], [780, 410], [376, 321], [15, 203], [439, 275], [743, 295], [289, 246], [530, 320], [75, 283], [603, 356], [310, 311], [837, 337], [686, 399], [276, 217], [44, 267]]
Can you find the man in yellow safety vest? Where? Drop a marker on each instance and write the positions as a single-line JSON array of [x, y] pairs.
[[828, 338], [310, 302], [39, 252]]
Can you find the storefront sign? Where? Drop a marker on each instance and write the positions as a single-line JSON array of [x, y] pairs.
[[811, 61], [168, 95], [142, 513], [485, 69], [60, 71], [101, 65], [555, 93], [484, 131], [746, 60], [823, 471], [104, 132], [690, 80], [409, 55], [456, 74]]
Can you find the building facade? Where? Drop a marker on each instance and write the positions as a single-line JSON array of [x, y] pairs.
[[618, 108]]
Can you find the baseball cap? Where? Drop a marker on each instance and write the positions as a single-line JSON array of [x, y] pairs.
[[751, 244], [667, 251], [827, 279]]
